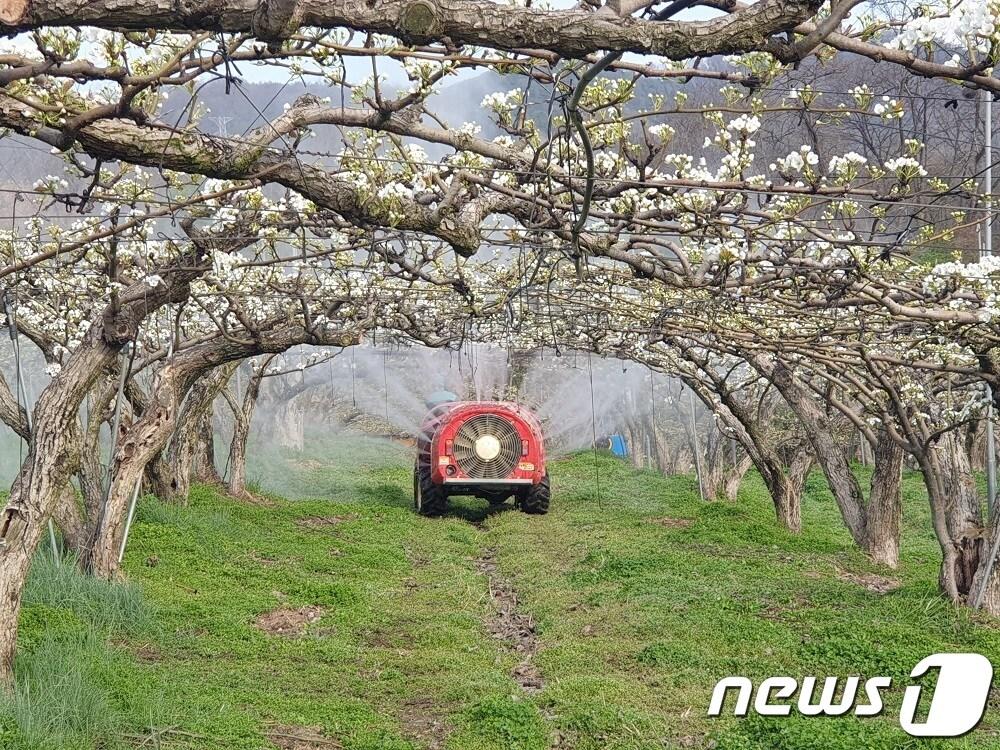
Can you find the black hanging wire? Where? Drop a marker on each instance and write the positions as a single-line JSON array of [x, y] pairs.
[[575, 120], [229, 63]]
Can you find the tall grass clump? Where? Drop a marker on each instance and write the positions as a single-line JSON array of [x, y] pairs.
[[67, 692], [61, 698], [111, 607]]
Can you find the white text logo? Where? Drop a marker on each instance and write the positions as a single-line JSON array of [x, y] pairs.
[[956, 705]]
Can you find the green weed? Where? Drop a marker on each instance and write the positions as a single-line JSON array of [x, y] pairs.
[[642, 597]]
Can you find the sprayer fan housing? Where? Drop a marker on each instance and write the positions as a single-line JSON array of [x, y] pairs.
[[487, 449]]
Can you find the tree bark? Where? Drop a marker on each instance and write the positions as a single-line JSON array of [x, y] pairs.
[[740, 421], [723, 478], [55, 440], [957, 513], [874, 525], [242, 420], [734, 480], [44, 476], [787, 502], [288, 425], [885, 504], [829, 453], [724, 470], [568, 33], [237, 484], [148, 434], [786, 495], [136, 447], [991, 596], [205, 470], [69, 516], [186, 457]]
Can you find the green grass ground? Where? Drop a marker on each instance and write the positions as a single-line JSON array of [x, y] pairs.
[[643, 597]]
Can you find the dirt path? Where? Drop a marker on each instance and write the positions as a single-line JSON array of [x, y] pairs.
[[509, 625]]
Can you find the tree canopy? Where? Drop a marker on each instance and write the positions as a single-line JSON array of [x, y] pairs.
[[783, 196]]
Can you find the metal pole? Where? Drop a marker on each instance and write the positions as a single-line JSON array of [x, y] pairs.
[[53, 543], [697, 449], [128, 520], [116, 420], [991, 447], [115, 423], [991, 456]]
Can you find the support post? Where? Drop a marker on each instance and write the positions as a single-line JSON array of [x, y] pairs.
[[129, 519], [991, 456], [697, 449], [991, 447]]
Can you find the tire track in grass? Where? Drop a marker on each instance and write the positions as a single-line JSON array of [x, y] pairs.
[[511, 626]]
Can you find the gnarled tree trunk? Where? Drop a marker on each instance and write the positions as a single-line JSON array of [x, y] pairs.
[[136, 447], [785, 492], [242, 420], [44, 476], [957, 513], [885, 503], [725, 467], [147, 435], [874, 525], [205, 470], [186, 455]]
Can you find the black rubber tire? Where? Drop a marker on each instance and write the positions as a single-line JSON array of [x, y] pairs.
[[536, 500], [429, 499]]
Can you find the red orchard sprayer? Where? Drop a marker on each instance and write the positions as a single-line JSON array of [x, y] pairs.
[[489, 449]]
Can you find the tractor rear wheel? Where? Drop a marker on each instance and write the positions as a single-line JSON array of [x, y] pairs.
[[536, 499], [429, 499]]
